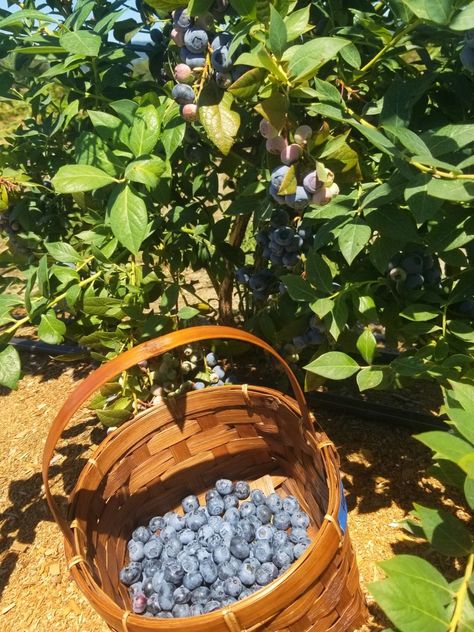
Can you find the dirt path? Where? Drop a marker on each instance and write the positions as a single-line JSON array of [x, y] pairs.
[[383, 468]]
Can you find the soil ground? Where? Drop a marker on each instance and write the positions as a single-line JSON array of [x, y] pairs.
[[383, 469]]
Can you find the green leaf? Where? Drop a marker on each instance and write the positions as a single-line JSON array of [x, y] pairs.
[[174, 128], [420, 203], [318, 272], [147, 172], [312, 55], [10, 367], [51, 329], [446, 446], [421, 573], [82, 43], [7, 303], [63, 252], [145, 131], [103, 306], [17, 17], [289, 183], [92, 150], [274, 109], [369, 378], [248, 84], [463, 422], [461, 330], [462, 393], [333, 365], [39, 50], [128, 218], [377, 139], [297, 23], [395, 222], [76, 178], [469, 491], [409, 609], [299, 289], [366, 345], [419, 312], [109, 127], [438, 11], [220, 122], [351, 55], [327, 92], [452, 190], [277, 35], [187, 312], [353, 238], [199, 7], [463, 20], [445, 532], [113, 417], [449, 138]]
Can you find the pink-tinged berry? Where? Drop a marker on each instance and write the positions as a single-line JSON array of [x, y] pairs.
[[276, 145], [302, 134], [190, 112], [311, 182], [267, 130], [292, 153], [325, 194], [183, 73], [177, 35]]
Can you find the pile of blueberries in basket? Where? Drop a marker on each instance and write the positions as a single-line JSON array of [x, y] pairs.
[[209, 557]]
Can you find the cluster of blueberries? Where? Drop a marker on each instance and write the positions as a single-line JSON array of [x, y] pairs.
[[282, 244], [310, 189], [209, 557], [194, 371], [467, 51], [196, 39], [314, 335], [414, 270]]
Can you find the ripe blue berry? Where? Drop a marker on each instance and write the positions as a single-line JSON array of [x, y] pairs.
[[274, 503], [224, 486], [278, 176], [264, 514], [280, 538], [233, 586], [231, 500], [225, 570], [232, 515], [173, 547], [282, 520], [211, 606], [298, 200], [214, 541], [130, 573], [165, 596], [196, 40], [208, 571], [239, 548], [195, 519], [300, 519], [182, 93], [192, 580], [156, 523], [216, 506], [281, 559], [219, 371], [190, 503], [153, 548], [247, 508], [298, 534], [174, 573], [177, 522], [167, 533], [217, 590], [135, 550], [181, 610], [247, 530], [150, 567], [211, 360], [300, 548], [263, 550], [212, 493], [200, 595], [189, 563], [266, 573], [204, 533], [242, 490], [221, 554], [256, 495], [264, 532], [153, 605], [182, 595], [186, 536], [182, 18], [141, 534], [196, 610], [216, 522]]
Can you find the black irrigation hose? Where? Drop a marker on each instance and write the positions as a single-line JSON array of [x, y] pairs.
[[377, 412], [360, 408]]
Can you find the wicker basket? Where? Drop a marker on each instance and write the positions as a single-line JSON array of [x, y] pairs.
[[150, 463]]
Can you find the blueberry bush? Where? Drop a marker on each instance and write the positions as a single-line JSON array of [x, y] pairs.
[[312, 159]]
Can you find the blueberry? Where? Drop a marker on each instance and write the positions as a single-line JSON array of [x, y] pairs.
[[167, 533], [211, 359], [182, 18], [224, 486], [226, 531], [264, 514], [254, 520], [130, 573], [397, 275], [231, 500], [247, 508], [263, 550], [273, 191], [221, 61], [233, 586], [203, 555], [135, 588], [266, 573], [256, 495], [414, 282], [219, 371], [239, 548], [216, 506], [290, 505], [192, 548], [232, 515], [204, 533], [186, 536], [164, 615], [215, 522], [228, 601], [298, 200], [141, 534], [147, 587], [196, 610], [283, 236], [247, 573], [222, 39], [208, 571], [182, 93], [177, 522], [182, 595], [212, 493], [150, 567], [245, 593], [189, 563], [200, 595], [225, 570], [278, 176], [197, 386], [174, 572], [193, 60], [220, 554], [165, 596], [300, 519], [173, 547], [190, 503], [280, 538], [156, 523], [139, 603], [291, 260], [135, 550], [153, 548], [196, 40], [181, 610], [247, 530], [264, 532], [195, 520], [300, 548], [153, 604], [412, 263], [282, 520], [211, 606], [281, 559], [192, 580], [298, 534], [274, 503]]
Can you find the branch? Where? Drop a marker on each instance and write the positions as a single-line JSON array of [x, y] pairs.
[[395, 39]]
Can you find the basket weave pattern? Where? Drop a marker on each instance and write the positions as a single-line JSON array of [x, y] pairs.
[[172, 450]]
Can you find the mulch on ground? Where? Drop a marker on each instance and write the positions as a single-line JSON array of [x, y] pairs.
[[383, 468]]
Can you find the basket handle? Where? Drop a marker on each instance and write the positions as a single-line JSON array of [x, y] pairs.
[[130, 358]]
